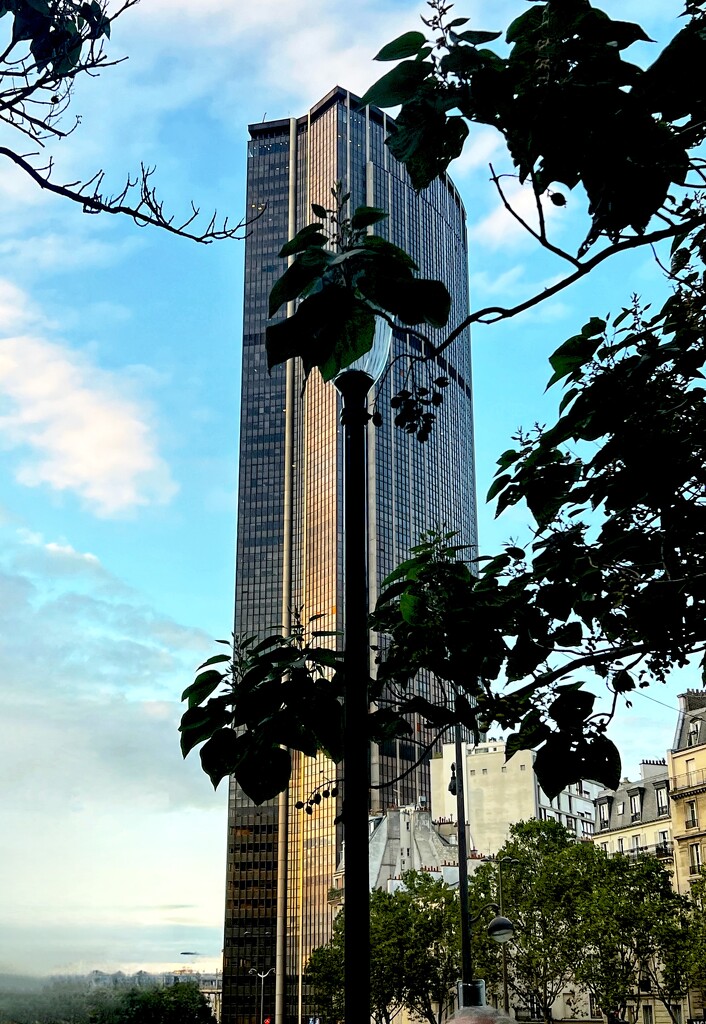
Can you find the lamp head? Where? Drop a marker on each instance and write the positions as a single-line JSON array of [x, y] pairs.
[[501, 930], [374, 361]]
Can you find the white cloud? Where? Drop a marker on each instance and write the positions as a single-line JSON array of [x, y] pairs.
[[74, 426], [500, 230], [481, 147]]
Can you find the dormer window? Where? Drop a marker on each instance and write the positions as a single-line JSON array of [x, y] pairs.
[[662, 800], [635, 809], [692, 737]]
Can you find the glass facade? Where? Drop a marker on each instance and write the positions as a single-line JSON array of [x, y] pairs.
[[290, 550]]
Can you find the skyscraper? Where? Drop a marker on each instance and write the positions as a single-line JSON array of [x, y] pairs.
[[289, 549]]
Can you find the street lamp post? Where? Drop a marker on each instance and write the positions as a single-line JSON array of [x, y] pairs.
[[354, 384], [506, 995], [471, 991], [467, 995], [262, 977]]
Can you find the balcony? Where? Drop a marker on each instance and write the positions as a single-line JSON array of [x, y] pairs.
[[694, 779], [691, 823], [694, 869], [636, 816], [664, 849]]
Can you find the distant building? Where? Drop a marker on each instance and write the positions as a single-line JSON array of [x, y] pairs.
[[687, 774], [635, 818], [500, 793]]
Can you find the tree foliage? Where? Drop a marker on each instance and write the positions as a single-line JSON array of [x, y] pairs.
[[415, 953], [75, 1002], [613, 925], [45, 45], [609, 587]]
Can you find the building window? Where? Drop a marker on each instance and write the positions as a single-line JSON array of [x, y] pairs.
[[692, 817], [621, 808], [636, 843], [522, 767], [621, 846], [603, 815], [692, 738], [604, 847], [484, 771], [472, 771], [635, 807], [503, 769], [648, 1016], [694, 858], [662, 800], [676, 1010], [690, 765]]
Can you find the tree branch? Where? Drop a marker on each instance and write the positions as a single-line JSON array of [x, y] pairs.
[[149, 210]]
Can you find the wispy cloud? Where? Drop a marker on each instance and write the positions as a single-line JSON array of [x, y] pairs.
[[74, 427]]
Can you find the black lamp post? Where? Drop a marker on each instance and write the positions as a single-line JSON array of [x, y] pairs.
[[471, 992], [261, 976], [506, 994], [467, 993], [354, 384], [500, 930]]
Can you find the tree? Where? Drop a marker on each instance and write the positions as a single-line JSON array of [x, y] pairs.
[[539, 898], [415, 953], [75, 1002], [46, 46], [615, 543]]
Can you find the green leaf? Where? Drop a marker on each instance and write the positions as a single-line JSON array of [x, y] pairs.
[[365, 216], [412, 608], [198, 723], [319, 211], [398, 85], [308, 236], [204, 685], [571, 708], [293, 282], [498, 485], [264, 774], [353, 338], [406, 45], [476, 38], [217, 659], [220, 756]]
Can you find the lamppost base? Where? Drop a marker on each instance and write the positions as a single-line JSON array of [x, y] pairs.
[[471, 993]]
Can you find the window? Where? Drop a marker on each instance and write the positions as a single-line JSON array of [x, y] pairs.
[[647, 1014], [635, 843], [635, 807], [503, 769], [694, 858], [604, 847], [676, 1010], [484, 771], [621, 846], [522, 767], [692, 738], [621, 808], [662, 800], [692, 817], [603, 814], [690, 765]]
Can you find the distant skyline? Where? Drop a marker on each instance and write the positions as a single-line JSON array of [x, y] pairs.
[[119, 391]]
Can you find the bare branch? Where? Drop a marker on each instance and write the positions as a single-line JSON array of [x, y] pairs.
[[493, 314], [541, 235], [148, 210]]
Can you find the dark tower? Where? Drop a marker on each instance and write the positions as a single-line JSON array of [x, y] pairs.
[[289, 552]]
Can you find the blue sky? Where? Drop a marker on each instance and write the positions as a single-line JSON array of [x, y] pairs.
[[119, 406]]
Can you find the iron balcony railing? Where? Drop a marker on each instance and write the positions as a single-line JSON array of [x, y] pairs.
[[696, 777]]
